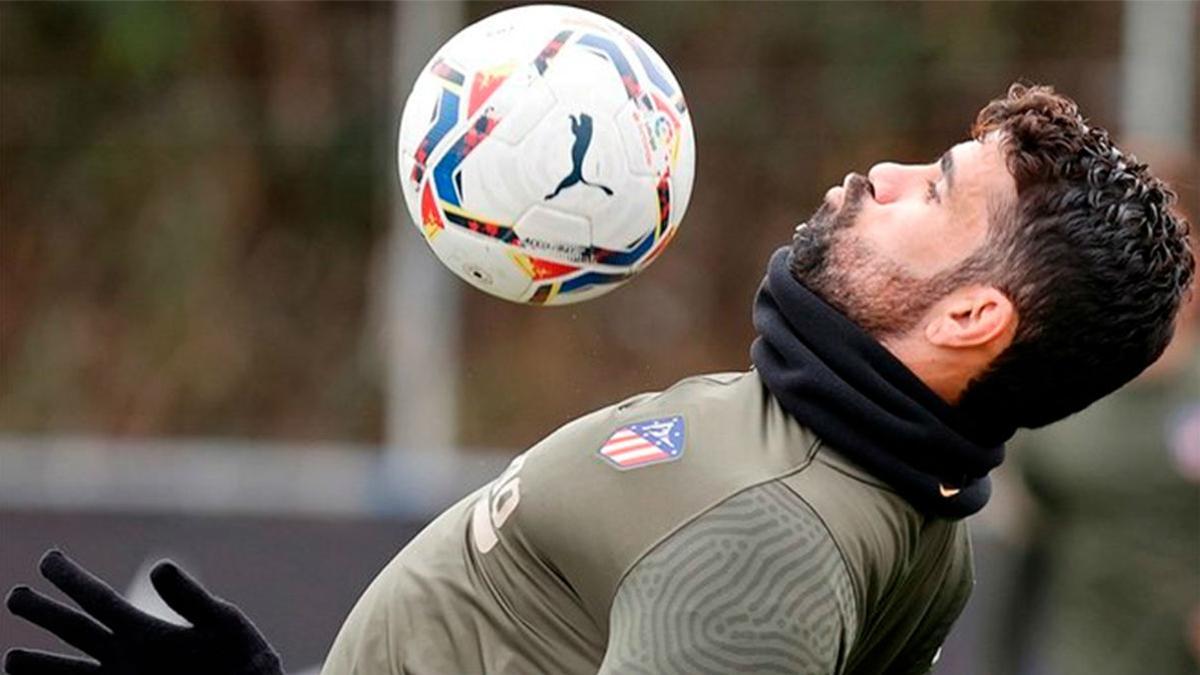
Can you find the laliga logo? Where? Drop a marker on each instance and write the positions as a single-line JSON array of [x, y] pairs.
[[659, 139], [664, 133]]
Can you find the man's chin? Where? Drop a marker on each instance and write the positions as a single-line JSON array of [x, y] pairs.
[[809, 250]]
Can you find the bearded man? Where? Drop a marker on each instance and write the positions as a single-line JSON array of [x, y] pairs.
[[806, 516]]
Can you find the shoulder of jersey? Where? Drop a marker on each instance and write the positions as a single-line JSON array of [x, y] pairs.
[[653, 429]]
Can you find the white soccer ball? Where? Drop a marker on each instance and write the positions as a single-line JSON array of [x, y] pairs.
[[546, 154]]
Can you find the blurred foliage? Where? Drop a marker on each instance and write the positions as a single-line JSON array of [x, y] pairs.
[[193, 197]]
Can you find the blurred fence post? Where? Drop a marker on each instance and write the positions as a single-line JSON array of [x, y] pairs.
[[421, 299], [1159, 72]]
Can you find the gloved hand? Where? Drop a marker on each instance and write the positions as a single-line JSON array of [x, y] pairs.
[[127, 641]]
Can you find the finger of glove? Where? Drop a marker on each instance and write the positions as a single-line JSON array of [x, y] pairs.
[[69, 624], [93, 595], [33, 662], [185, 595]]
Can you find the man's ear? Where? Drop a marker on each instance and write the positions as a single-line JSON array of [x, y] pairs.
[[975, 316]]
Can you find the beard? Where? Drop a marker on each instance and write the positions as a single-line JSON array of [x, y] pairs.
[[866, 287]]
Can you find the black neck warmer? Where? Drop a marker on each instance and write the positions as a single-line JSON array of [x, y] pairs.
[[861, 401]]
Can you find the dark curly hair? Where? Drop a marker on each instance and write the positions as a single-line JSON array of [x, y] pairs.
[[1091, 254]]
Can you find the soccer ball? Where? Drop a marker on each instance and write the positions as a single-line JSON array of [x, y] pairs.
[[546, 154]]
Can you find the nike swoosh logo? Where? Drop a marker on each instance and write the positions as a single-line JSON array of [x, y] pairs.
[[948, 492]]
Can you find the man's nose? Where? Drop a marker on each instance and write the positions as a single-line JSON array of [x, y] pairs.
[[892, 181]]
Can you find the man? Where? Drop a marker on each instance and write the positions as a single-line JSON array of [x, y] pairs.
[[806, 516]]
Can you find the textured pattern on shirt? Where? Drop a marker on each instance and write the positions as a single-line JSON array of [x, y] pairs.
[[756, 584]]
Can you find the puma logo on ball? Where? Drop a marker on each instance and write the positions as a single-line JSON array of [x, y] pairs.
[[581, 127]]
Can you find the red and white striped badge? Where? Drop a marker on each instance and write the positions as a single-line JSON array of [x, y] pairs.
[[645, 443]]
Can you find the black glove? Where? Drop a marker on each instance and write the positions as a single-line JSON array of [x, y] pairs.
[[127, 641]]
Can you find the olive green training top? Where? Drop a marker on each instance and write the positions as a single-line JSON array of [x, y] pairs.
[[697, 530]]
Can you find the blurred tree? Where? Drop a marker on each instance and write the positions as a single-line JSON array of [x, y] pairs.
[[190, 197]]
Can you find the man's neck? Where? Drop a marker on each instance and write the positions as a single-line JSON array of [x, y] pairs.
[[944, 373]]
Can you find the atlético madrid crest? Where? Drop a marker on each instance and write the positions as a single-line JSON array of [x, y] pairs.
[[645, 443]]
